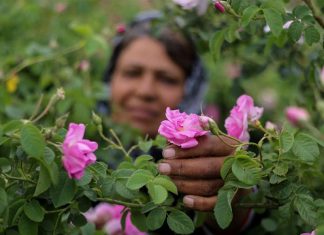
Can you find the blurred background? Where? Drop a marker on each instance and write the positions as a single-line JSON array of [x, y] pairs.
[[47, 44]]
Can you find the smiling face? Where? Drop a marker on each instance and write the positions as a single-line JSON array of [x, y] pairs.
[[144, 83]]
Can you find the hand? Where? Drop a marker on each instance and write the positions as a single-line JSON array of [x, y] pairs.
[[196, 171]]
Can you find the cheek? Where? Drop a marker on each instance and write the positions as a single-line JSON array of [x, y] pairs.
[[173, 97], [119, 91]]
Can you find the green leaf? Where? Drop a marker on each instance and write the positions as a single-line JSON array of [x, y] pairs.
[[281, 169], [139, 220], [122, 190], [5, 165], [88, 229], [227, 166], [34, 211], [26, 226], [180, 223], [148, 207], [305, 148], [248, 14], [286, 140], [49, 155], [312, 35], [145, 146], [157, 192], [138, 180], [246, 170], [107, 186], [44, 181], [301, 11], [215, 44], [3, 200], [155, 218], [78, 219], [86, 178], [269, 224], [304, 204], [160, 141], [166, 183], [12, 126], [295, 30], [223, 208], [63, 192], [142, 159], [99, 169], [32, 141], [274, 20]]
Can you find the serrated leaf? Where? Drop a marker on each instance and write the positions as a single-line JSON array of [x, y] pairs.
[[44, 181], [166, 183], [32, 141], [26, 226], [145, 146], [215, 44], [49, 155], [160, 141], [122, 190], [227, 166], [142, 158], [3, 200], [12, 126], [246, 170], [86, 178], [107, 186], [63, 192], [138, 180], [180, 223], [156, 218], [306, 208], [269, 224], [99, 168], [281, 169], [301, 11], [295, 30], [223, 208], [157, 193], [305, 148], [274, 20], [312, 35], [248, 14], [286, 140], [34, 211], [148, 207]]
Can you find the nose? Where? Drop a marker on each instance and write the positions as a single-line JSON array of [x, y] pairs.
[[146, 87]]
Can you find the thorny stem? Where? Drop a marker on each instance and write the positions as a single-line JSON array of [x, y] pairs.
[[113, 201], [49, 105], [37, 107], [18, 178], [317, 17]]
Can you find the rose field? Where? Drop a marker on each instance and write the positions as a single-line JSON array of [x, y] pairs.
[[70, 165]]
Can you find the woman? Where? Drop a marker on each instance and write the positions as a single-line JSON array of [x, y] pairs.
[[154, 68]]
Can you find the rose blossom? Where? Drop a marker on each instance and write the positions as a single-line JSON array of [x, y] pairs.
[[181, 129], [77, 152], [296, 114], [219, 6], [243, 113]]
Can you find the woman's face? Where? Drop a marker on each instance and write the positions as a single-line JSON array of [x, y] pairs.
[[144, 83]]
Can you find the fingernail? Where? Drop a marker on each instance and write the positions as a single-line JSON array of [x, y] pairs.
[[164, 168], [168, 153], [188, 201]]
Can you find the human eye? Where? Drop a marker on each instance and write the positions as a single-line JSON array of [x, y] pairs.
[[131, 72], [168, 79]]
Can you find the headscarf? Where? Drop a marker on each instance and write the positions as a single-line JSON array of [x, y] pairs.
[[195, 83]]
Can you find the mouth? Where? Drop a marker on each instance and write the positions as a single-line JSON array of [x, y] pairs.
[[142, 113]]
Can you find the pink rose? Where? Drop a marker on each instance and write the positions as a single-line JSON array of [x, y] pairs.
[[101, 214], [312, 233], [77, 152], [219, 6], [243, 113], [181, 129], [296, 114], [212, 111]]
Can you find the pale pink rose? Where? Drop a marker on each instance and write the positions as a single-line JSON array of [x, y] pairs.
[[312, 233], [200, 5], [100, 214], [181, 129], [237, 125], [84, 65], [77, 152], [296, 114], [270, 126], [219, 6], [243, 113]]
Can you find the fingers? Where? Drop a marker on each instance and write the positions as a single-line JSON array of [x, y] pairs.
[[200, 203], [198, 187], [208, 167], [208, 146]]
